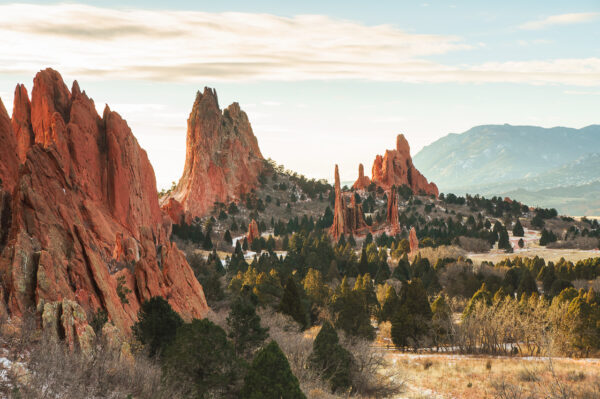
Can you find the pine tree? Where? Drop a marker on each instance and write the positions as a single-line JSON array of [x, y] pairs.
[[527, 284], [270, 376], [227, 237], [503, 241], [202, 360], [291, 303], [157, 324], [482, 295], [518, 229], [402, 272], [244, 327], [331, 359]]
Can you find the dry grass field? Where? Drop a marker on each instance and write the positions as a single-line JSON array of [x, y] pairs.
[[472, 377]]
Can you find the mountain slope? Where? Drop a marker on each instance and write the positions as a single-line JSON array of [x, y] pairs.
[[501, 159]]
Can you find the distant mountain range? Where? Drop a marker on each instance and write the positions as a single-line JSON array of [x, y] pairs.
[[557, 167]]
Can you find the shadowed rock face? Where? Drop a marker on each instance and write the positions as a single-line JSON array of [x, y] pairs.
[[223, 160], [395, 168], [85, 222]]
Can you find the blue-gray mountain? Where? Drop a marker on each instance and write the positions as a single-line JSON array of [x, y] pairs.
[[557, 167]]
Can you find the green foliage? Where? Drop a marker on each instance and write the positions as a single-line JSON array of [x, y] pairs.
[[244, 327], [270, 376], [99, 319], [411, 321], [227, 237], [482, 295], [201, 356], [527, 284], [123, 290], [291, 304], [157, 325], [518, 229], [331, 359], [352, 309], [547, 237]]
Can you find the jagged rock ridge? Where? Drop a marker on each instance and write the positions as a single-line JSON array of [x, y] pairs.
[[395, 168], [85, 224]]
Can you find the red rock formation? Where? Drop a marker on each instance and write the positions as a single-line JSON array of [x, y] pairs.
[[253, 232], [175, 211], [21, 121], [85, 206], [413, 241], [223, 160], [8, 152], [395, 168], [363, 181], [392, 211], [339, 225], [346, 219], [356, 217]]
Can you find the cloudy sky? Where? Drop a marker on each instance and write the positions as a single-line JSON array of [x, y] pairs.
[[323, 82]]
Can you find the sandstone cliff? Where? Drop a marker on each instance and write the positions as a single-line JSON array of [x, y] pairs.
[[85, 224], [223, 160]]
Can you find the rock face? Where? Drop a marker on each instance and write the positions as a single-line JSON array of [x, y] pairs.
[[85, 225], [253, 232], [223, 160], [363, 181], [345, 219], [392, 211], [175, 211], [413, 241], [8, 152], [395, 168]]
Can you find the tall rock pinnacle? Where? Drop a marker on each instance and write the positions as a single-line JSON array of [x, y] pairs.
[[223, 160]]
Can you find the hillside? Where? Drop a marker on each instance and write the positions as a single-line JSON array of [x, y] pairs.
[[555, 167]]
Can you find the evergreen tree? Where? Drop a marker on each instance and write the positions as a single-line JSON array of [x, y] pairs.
[[270, 376], [503, 241], [227, 237], [482, 295], [244, 327], [518, 229], [202, 357], [331, 359], [291, 303], [527, 284], [411, 322], [402, 272], [157, 324]]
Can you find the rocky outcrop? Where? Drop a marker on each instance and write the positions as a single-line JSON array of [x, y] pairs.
[[174, 210], [395, 168], [21, 122], [85, 224], [363, 182], [392, 211], [253, 232], [223, 160], [8, 152], [413, 241], [346, 220]]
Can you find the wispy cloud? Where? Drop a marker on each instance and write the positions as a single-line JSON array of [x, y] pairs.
[[562, 19], [102, 43]]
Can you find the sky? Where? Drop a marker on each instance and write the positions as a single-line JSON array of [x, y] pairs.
[[322, 82]]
